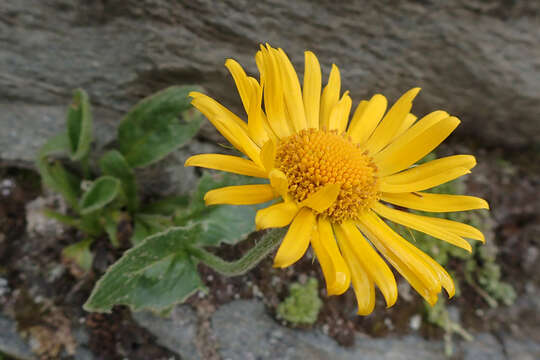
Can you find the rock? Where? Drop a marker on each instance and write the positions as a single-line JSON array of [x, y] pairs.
[[477, 59], [11, 342], [521, 349], [169, 176], [483, 347], [25, 128], [40, 225], [177, 332], [244, 331]]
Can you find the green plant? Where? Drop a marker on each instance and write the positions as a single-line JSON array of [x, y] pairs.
[[170, 234], [303, 304], [103, 192]]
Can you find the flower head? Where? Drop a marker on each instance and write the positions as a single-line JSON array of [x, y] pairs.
[[337, 176]]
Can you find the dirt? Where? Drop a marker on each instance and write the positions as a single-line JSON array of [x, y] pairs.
[[39, 300]]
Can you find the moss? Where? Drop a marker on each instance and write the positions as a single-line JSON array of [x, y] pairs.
[[303, 304]]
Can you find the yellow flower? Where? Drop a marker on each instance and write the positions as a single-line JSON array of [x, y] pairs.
[[336, 178]]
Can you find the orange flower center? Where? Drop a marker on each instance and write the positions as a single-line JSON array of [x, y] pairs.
[[314, 158]]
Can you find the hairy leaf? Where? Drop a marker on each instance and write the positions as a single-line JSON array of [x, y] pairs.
[[156, 274], [101, 193], [79, 125], [222, 223], [155, 127], [60, 180], [114, 164]]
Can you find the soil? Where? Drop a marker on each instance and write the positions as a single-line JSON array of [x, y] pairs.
[[39, 301]]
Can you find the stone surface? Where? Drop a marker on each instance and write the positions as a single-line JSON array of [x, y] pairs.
[[483, 347], [11, 342], [169, 176], [25, 128], [522, 350], [176, 332], [477, 59], [244, 331]]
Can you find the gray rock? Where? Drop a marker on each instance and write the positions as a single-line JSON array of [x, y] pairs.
[[11, 342], [483, 347], [177, 332], [244, 331], [479, 60], [25, 128], [521, 349], [169, 176]]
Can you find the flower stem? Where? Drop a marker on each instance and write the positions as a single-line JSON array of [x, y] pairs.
[[262, 248]]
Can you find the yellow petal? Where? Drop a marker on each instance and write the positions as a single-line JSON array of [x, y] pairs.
[[260, 115], [312, 89], [201, 105], [391, 123], [435, 202], [358, 112], [296, 241], [431, 168], [424, 183], [364, 122], [335, 270], [330, 96], [279, 182], [458, 228], [323, 198], [256, 120], [277, 215], [416, 143], [232, 164], [339, 117], [445, 278], [240, 195], [291, 87], [268, 155], [242, 83], [421, 223], [248, 147], [427, 286], [407, 123], [273, 92], [395, 247], [351, 239], [363, 285], [211, 108]]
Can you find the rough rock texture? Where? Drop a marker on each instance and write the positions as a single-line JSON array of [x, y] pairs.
[[477, 59], [245, 331], [11, 342], [176, 332]]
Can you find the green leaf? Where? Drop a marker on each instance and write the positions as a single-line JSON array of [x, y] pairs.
[[64, 219], [149, 224], [60, 180], [101, 193], [167, 206], [114, 164], [79, 125], [222, 223], [91, 224], [55, 145], [156, 274], [152, 129], [111, 227], [80, 254]]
